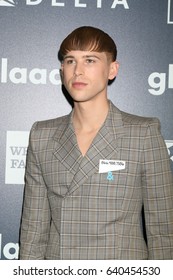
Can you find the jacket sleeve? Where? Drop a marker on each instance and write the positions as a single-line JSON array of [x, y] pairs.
[[157, 194], [35, 223]]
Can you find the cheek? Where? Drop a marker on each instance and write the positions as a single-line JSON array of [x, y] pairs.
[[103, 75], [66, 75], [97, 73]]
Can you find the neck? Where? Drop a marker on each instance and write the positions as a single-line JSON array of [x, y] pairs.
[[89, 116]]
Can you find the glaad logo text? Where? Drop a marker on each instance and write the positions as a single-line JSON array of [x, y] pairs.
[[9, 250], [157, 81], [22, 75]]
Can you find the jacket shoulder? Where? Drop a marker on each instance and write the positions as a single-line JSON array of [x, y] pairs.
[[51, 124], [47, 128], [130, 119]]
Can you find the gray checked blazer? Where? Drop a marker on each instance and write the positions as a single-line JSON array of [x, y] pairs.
[[71, 211]]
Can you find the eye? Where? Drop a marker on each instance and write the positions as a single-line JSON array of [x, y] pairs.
[[69, 61], [90, 60]]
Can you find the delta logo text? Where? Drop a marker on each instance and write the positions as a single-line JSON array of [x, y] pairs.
[[159, 82], [63, 3], [170, 12], [8, 3]]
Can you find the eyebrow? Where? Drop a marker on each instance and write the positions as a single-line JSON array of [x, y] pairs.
[[68, 56], [85, 56]]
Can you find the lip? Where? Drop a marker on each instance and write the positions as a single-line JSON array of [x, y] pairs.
[[78, 85]]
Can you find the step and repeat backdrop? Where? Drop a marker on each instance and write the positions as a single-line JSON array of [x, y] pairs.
[[30, 87]]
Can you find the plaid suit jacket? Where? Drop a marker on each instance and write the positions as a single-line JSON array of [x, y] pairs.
[[71, 211]]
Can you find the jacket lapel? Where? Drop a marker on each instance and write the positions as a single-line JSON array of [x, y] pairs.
[[67, 151], [105, 146]]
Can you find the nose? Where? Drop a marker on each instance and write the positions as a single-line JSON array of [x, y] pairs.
[[78, 70]]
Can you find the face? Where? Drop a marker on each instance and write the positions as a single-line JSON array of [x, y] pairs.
[[86, 74]]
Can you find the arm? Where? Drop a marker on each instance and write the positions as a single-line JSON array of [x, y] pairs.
[[36, 213], [158, 195]]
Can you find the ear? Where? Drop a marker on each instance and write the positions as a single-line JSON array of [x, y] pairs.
[[113, 71]]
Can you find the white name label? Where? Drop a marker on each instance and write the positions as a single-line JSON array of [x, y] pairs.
[[106, 165]]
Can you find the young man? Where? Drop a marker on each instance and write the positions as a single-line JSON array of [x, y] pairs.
[[90, 173]]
